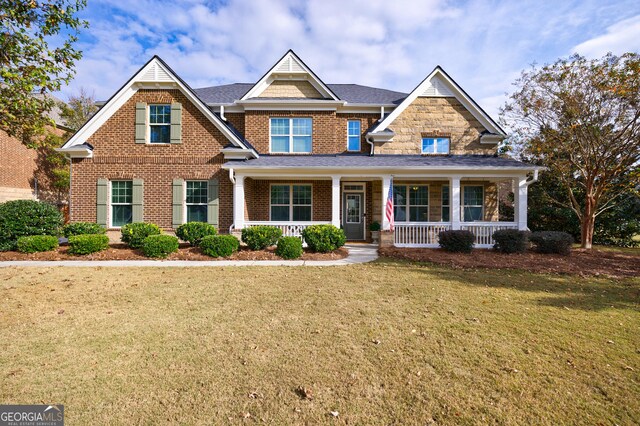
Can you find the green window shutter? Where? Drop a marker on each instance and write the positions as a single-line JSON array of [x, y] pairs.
[[214, 204], [141, 122], [138, 201], [176, 123], [101, 202], [178, 198]]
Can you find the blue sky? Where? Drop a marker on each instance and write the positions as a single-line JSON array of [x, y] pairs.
[[394, 44]]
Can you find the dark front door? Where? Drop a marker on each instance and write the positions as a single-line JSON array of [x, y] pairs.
[[353, 215]]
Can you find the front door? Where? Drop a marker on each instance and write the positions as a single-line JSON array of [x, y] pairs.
[[353, 215]]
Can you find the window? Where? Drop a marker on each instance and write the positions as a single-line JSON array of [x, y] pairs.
[[290, 203], [121, 202], [435, 145], [291, 135], [446, 212], [197, 201], [472, 203], [353, 135], [416, 203], [159, 123]]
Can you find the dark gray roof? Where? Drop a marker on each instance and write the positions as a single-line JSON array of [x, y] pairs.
[[382, 161], [351, 93]]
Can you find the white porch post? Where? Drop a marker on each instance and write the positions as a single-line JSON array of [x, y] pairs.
[[520, 200], [386, 183], [335, 201], [238, 202], [455, 202]]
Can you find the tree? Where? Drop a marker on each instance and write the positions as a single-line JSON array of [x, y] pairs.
[[78, 109], [37, 56], [581, 119]]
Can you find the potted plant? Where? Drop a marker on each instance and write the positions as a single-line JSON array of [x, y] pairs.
[[375, 231]]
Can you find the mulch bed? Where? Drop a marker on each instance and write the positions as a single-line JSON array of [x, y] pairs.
[[185, 252], [581, 262]]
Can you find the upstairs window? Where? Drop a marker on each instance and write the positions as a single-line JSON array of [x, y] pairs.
[[197, 200], [159, 123], [353, 135], [291, 135], [290, 203], [435, 145]]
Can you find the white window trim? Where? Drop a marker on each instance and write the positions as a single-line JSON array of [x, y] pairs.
[[110, 202], [290, 205], [184, 198], [442, 204], [291, 135], [463, 205], [408, 205], [359, 136], [148, 125], [435, 146]]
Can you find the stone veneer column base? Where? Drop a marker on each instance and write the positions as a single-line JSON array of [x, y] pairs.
[[386, 239]]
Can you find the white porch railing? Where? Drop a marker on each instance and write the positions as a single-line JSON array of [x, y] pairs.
[[289, 229], [425, 234]]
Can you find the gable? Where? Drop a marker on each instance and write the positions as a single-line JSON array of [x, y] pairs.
[[291, 89]]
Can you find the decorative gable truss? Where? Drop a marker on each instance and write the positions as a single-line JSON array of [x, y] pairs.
[[155, 74], [438, 84]]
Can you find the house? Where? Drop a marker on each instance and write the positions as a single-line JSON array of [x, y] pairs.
[[290, 150]]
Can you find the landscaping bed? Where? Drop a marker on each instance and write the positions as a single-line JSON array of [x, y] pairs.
[[581, 262], [185, 252]]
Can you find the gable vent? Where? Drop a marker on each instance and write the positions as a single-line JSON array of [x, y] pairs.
[[289, 65], [436, 88], [155, 73]]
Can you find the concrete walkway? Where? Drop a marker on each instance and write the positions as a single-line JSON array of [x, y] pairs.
[[358, 253]]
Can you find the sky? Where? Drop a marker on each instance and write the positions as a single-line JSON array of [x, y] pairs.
[[392, 44]]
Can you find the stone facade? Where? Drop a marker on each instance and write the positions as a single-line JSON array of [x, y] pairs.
[[291, 89]]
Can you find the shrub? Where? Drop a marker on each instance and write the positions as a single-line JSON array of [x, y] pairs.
[[456, 241], [289, 247], [159, 245], [552, 242], [323, 238], [261, 237], [88, 243], [219, 245], [134, 234], [23, 218], [36, 243], [193, 232], [511, 241], [82, 228]]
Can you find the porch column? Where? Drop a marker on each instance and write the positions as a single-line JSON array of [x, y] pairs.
[[335, 201], [520, 201], [455, 202], [238, 202], [386, 183]]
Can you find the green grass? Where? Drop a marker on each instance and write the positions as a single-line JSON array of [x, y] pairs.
[[382, 343]]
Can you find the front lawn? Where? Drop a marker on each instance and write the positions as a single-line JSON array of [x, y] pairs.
[[383, 343]]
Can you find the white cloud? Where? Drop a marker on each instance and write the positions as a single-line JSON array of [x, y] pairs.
[[621, 37]]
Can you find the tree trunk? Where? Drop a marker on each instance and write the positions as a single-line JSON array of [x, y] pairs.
[[587, 226]]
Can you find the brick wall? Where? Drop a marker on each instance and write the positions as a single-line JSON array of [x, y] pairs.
[[258, 194]]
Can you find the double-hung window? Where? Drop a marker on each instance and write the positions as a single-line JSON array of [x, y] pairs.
[[197, 200], [353, 135], [159, 123], [472, 202], [291, 135], [121, 202], [435, 145], [446, 204], [290, 203], [411, 203]]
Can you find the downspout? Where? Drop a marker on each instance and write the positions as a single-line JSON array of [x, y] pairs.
[[372, 152], [222, 113], [533, 179], [233, 182]]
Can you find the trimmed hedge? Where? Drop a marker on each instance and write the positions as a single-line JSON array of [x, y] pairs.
[[134, 234], [324, 238], [37, 243], [219, 245], [159, 245], [260, 237], [82, 228], [511, 241], [552, 242], [21, 218], [193, 232], [88, 243], [289, 247], [457, 241]]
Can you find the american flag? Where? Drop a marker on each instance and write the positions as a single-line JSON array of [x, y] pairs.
[[389, 208]]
